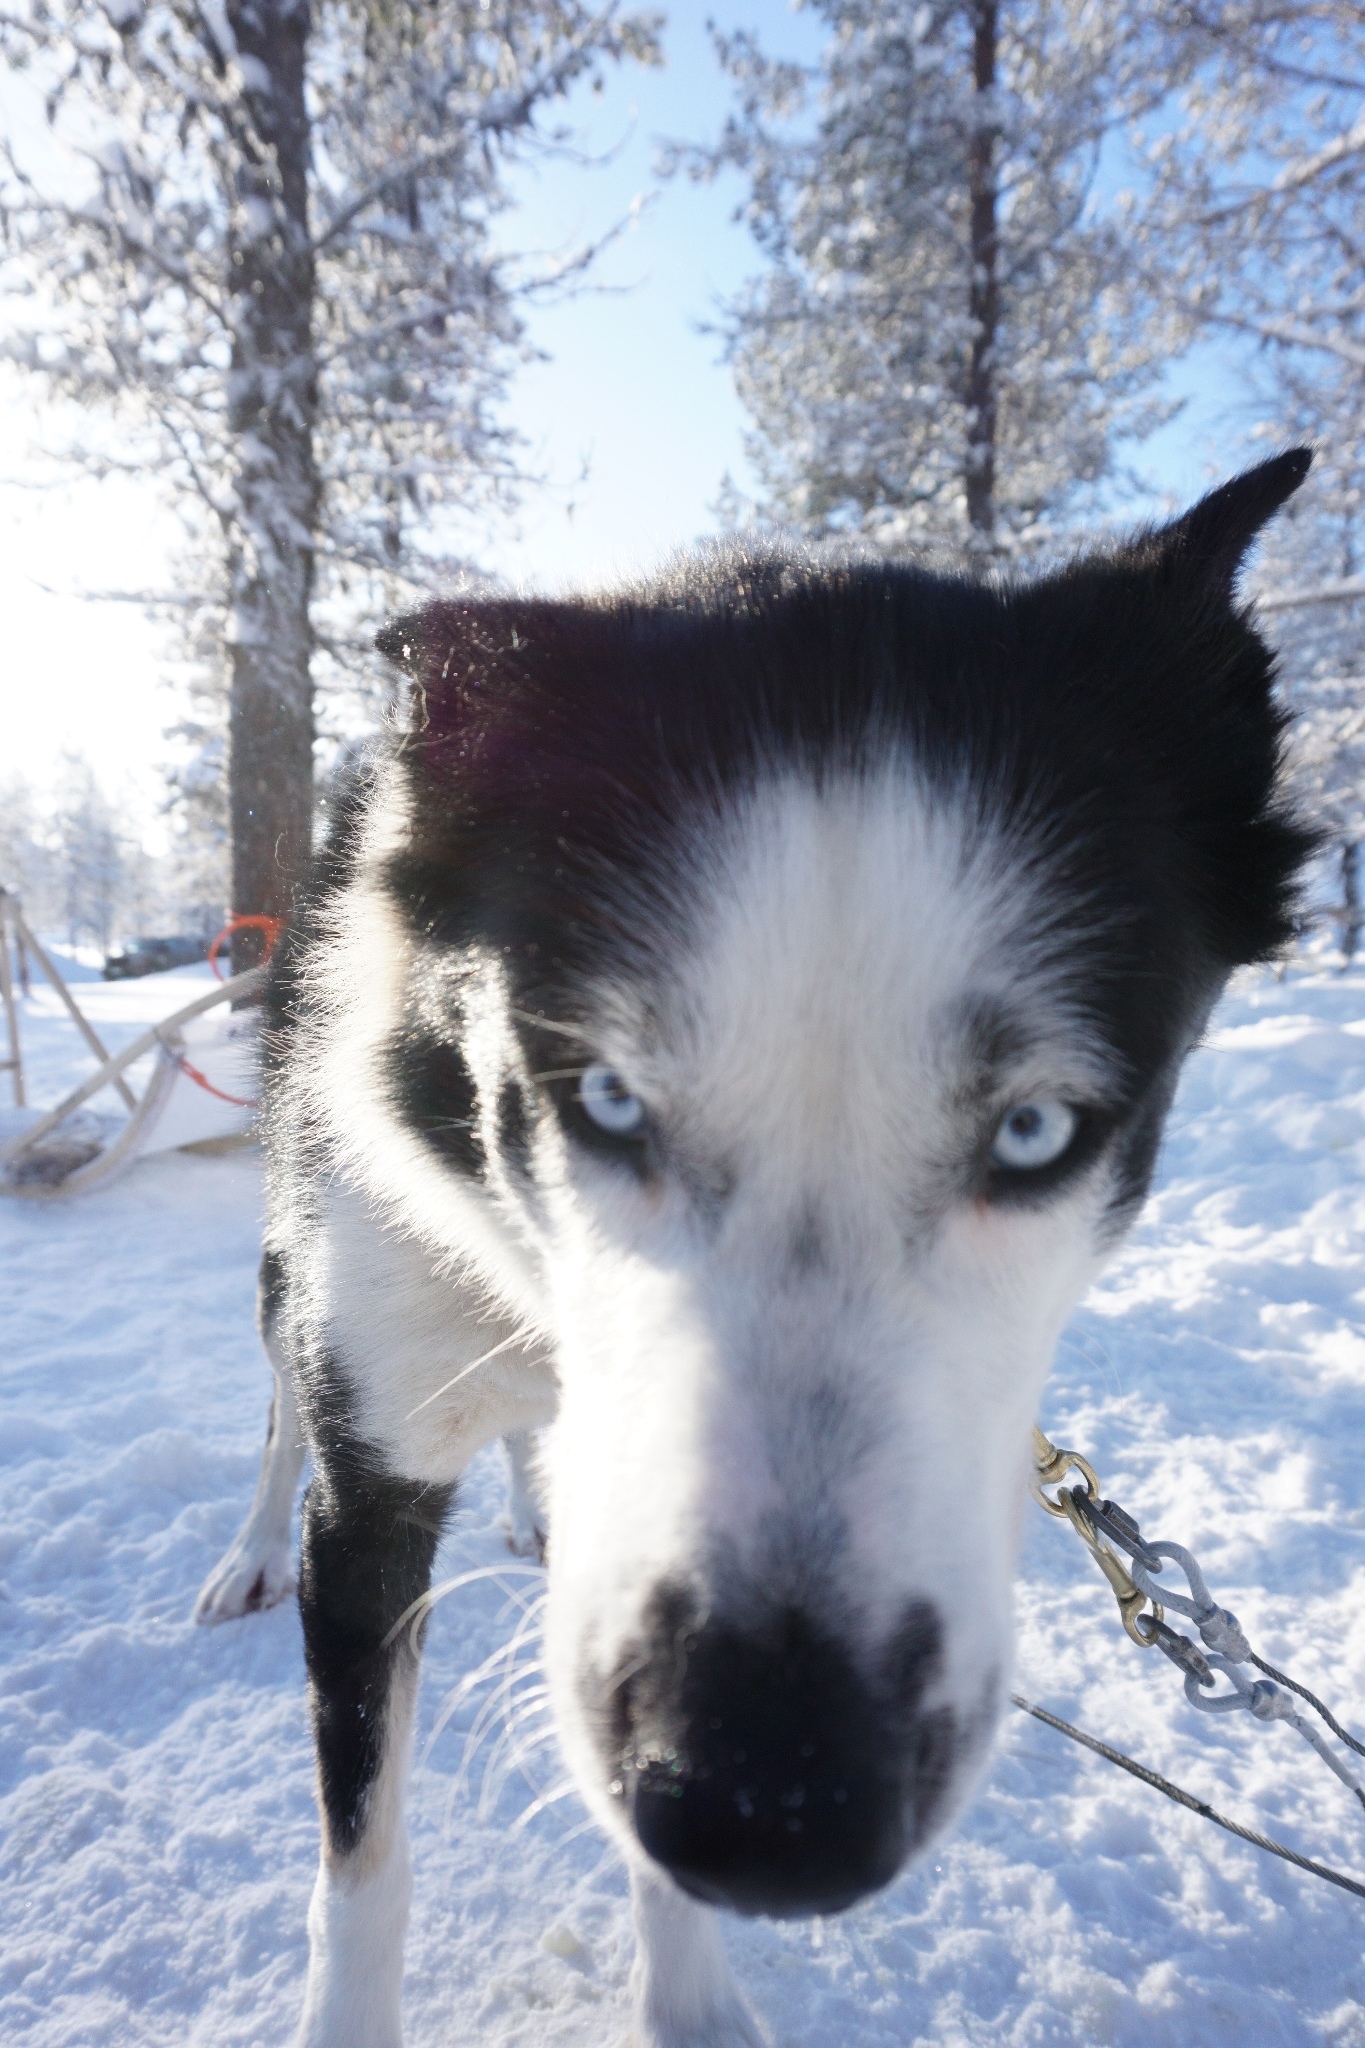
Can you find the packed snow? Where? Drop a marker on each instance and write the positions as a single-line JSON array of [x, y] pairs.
[[157, 1830]]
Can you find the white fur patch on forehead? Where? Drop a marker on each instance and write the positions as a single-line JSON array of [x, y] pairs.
[[850, 946]]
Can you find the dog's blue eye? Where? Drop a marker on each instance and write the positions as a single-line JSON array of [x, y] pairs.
[[607, 1100], [1033, 1135]]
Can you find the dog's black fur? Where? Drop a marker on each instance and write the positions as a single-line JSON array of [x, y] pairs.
[[1119, 712]]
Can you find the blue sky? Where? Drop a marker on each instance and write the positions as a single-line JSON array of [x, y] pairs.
[[633, 388], [632, 421]]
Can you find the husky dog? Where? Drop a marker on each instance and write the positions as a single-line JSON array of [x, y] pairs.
[[727, 1033]]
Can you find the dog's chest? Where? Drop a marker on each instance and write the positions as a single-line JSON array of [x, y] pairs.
[[431, 1366]]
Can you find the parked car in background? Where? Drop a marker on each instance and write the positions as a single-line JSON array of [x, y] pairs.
[[153, 956]]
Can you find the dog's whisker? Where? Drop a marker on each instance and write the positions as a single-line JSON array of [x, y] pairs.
[[526, 1680], [516, 1706], [423, 1604], [522, 1335], [502, 1760], [493, 1713], [565, 1789], [468, 1685], [513, 1750], [533, 1735], [550, 1024], [1088, 1345], [520, 1710], [589, 1825], [531, 1700], [504, 1668], [509, 1708], [502, 1693], [488, 1716], [530, 1606]]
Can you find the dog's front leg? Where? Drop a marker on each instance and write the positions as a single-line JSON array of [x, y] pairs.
[[683, 1992], [525, 1517], [368, 1545], [256, 1569]]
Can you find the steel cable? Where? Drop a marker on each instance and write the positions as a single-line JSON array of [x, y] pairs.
[[1188, 1799]]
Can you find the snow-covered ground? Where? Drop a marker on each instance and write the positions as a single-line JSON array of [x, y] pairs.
[[157, 1835]]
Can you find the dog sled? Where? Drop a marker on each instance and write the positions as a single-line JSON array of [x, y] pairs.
[[200, 1094]]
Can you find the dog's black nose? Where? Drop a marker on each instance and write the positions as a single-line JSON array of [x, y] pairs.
[[764, 1772]]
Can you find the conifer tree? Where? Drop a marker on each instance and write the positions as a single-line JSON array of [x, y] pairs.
[[941, 351], [1255, 231], [256, 236]]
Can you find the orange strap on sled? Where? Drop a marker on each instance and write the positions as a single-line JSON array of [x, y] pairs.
[[271, 926]]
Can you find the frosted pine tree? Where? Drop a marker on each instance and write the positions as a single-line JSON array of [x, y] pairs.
[[1255, 228], [1310, 568], [942, 350], [1256, 221], [255, 236]]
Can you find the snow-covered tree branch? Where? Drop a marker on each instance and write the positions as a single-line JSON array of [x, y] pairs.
[[1256, 225], [254, 236]]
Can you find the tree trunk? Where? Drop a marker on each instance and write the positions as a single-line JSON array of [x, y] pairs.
[[272, 410], [1350, 893], [984, 298]]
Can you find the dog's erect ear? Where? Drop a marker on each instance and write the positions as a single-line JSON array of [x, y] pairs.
[[458, 652], [399, 639], [1206, 545], [405, 642], [441, 647]]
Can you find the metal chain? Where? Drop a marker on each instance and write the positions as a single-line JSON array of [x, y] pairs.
[[1050, 1467], [1225, 1646]]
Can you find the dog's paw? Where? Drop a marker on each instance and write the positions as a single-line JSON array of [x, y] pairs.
[[523, 1521], [523, 1536], [247, 1578]]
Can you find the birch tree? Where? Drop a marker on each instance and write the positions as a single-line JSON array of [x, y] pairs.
[[941, 351], [255, 236]]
